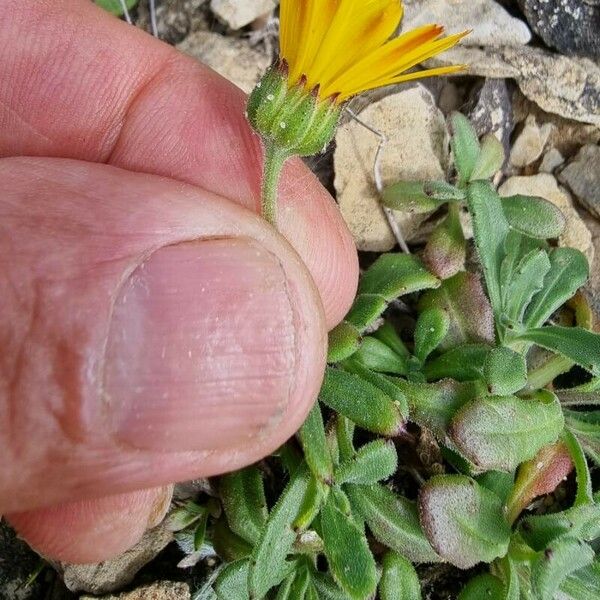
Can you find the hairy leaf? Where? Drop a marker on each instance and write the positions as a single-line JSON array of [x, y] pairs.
[[227, 544], [583, 584], [373, 462], [490, 159], [431, 329], [505, 371], [586, 428], [584, 493], [420, 196], [232, 582], [533, 216], [483, 586], [344, 341], [399, 580], [463, 363], [314, 443], [377, 356], [446, 249], [465, 146], [463, 520], [367, 308]]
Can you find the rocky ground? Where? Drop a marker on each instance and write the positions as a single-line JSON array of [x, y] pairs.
[[534, 81]]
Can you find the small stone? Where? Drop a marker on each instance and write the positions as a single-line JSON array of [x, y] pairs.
[[551, 161], [417, 149], [239, 13], [492, 25], [576, 234], [530, 143], [160, 590], [583, 178], [591, 291], [233, 58], [113, 574], [174, 18], [569, 26]]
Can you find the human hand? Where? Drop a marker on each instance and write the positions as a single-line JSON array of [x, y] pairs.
[[153, 328]]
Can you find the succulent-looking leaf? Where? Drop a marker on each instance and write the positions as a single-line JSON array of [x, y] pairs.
[[533, 216], [528, 279], [268, 561], [243, 498], [367, 308], [344, 429], [361, 402], [556, 563], [490, 229], [537, 477], [516, 247], [348, 555], [465, 146], [115, 6], [373, 462], [485, 586], [499, 482], [586, 428], [297, 587], [314, 443], [311, 505], [399, 580], [462, 520], [393, 275], [232, 582], [389, 336], [446, 249], [344, 341], [377, 356], [431, 329], [467, 306], [420, 196], [500, 432], [463, 363], [505, 371], [569, 270], [491, 158], [579, 345], [393, 521], [583, 584], [510, 577]]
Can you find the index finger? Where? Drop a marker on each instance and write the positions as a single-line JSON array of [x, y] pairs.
[[81, 84]]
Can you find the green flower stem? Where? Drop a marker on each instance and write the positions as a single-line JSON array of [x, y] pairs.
[[274, 159]]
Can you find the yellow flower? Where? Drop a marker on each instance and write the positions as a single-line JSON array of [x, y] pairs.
[[330, 51], [343, 47]]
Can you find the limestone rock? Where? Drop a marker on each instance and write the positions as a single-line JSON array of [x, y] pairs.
[[583, 178], [233, 58], [531, 143], [570, 26], [576, 234], [161, 590], [239, 13], [113, 574], [417, 149], [174, 18], [569, 87], [591, 291], [551, 161], [492, 25]]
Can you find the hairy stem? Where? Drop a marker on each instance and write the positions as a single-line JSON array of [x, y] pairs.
[[274, 159]]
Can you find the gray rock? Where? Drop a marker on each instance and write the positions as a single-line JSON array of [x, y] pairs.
[[531, 143], [492, 111], [492, 25], [583, 178], [113, 574], [551, 161], [161, 590], [570, 26], [231, 57], [569, 87], [174, 18], [417, 148], [239, 13]]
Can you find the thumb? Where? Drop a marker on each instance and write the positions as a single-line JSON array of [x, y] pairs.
[[151, 332]]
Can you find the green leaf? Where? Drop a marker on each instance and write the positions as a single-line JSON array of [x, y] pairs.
[[367, 308], [446, 249], [499, 482], [431, 329], [377, 356], [232, 582], [243, 497], [527, 281], [433, 405], [490, 159], [533, 216], [393, 521], [586, 394], [516, 247], [586, 428], [505, 371], [200, 532], [469, 311], [184, 516], [569, 270], [490, 229], [389, 336], [268, 562], [311, 505], [114, 6], [579, 345], [344, 341], [483, 586], [295, 586], [556, 563], [500, 432], [399, 580], [361, 402], [327, 588], [420, 196], [348, 555], [394, 275], [227, 544], [344, 430], [314, 443], [583, 584], [463, 521], [584, 480], [465, 146], [463, 363], [373, 462]]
